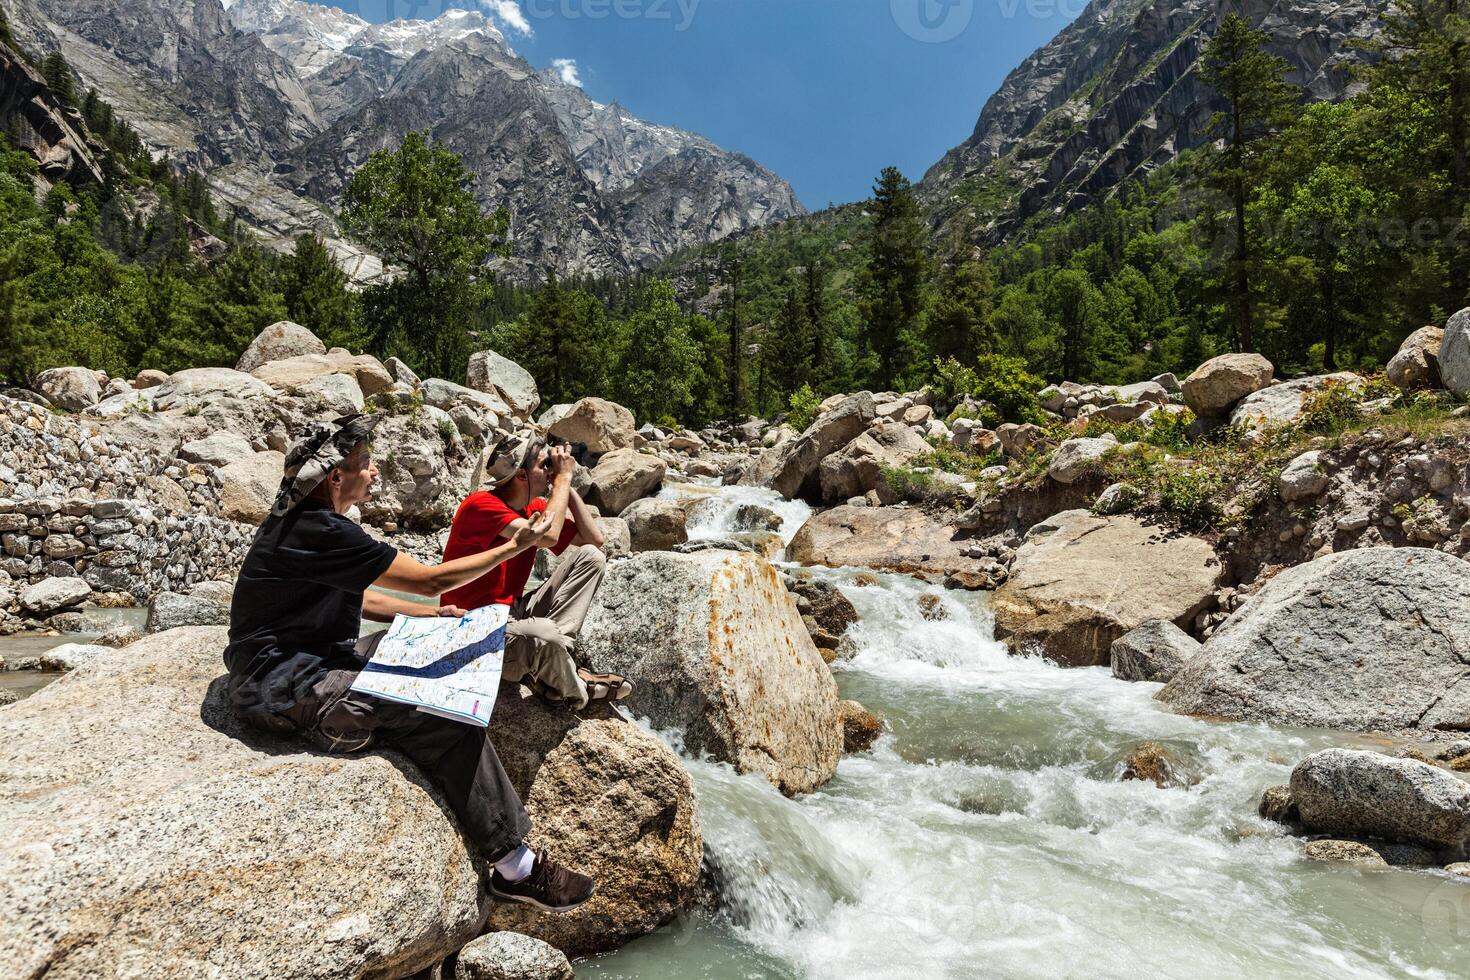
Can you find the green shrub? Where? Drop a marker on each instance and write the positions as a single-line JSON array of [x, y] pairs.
[[803, 408], [1002, 381]]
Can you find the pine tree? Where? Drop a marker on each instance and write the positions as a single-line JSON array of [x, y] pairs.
[[819, 322], [735, 336], [315, 291], [58, 76], [892, 285], [960, 324], [1258, 102], [788, 348]]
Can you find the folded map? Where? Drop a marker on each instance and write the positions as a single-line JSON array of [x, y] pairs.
[[447, 667]]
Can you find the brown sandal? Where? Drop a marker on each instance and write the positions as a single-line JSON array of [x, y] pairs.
[[605, 687]]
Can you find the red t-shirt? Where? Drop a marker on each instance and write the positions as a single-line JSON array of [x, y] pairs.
[[478, 524]]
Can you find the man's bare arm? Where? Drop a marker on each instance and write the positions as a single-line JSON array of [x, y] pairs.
[[588, 531], [380, 607]]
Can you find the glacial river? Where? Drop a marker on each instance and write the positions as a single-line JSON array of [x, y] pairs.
[[987, 834]]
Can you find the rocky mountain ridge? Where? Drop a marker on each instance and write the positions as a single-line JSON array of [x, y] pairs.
[[279, 101], [1117, 93]]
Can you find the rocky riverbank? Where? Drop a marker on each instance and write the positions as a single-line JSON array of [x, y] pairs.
[[1144, 527]]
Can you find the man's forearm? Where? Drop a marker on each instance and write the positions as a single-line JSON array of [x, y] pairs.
[[380, 607], [556, 508], [587, 530]]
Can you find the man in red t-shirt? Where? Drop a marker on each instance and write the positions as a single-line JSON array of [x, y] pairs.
[[543, 627]]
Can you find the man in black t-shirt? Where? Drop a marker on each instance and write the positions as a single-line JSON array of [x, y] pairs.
[[293, 651]]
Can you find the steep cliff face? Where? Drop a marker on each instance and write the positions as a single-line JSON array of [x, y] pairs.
[[1118, 92], [280, 101]]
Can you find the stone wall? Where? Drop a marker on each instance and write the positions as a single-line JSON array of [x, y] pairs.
[[73, 503]]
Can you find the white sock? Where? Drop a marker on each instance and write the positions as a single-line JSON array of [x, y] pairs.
[[516, 865]]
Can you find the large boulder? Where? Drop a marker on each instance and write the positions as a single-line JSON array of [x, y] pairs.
[[1366, 794], [1286, 403], [858, 467], [333, 394], [150, 833], [623, 476], [216, 449], [447, 395], [1081, 581], [248, 486], [609, 799], [71, 388], [170, 610], [291, 373], [1222, 381], [1416, 365], [1370, 639], [793, 467], [196, 387], [898, 539], [601, 424], [655, 525], [1454, 354], [719, 651], [511, 956], [278, 342], [1155, 650], [1075, 458], [424, 471], [490, 372], [52, 595]]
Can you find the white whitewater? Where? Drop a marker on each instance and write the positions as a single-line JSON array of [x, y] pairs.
[[987, 835]]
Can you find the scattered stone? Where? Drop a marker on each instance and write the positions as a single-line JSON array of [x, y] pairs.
[[1366, 794], [169, 610], [655, 524], [217, 449], [1277, 805], [720, 651], [1220, 382], [195, 387], [1416, 365], [1080, 581], [149, 378], [1155, 650], [1303, 478], [70, 656], [54, 594], [1077, 457], [860, 727], [277, 342], [511, 956], [1368, 639], [74, 389], [601, 424]]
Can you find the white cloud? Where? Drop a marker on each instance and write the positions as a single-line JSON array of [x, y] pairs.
[[567, 69], [509, 13]]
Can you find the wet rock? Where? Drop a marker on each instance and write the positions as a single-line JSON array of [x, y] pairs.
[[248, 486], [860, 727], [601, 424], [513, 384], [1220, 382], [54, 594], [623, 476], [1155, 650], [162, 831], [1080, 581], [278, 342], [1369, 853], [1370, 639], [1416, 365], [719, 651], [74, 389], [70, 656], [511, 956], [931, 607], [655, 525], [1365, 794], [1150, 762], [1277, 805], [609, 799], [829, 608], [170, 610]]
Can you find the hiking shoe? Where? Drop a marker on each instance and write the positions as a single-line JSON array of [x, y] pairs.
[[550, 887]]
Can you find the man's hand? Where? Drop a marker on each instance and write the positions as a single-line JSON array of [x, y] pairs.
[[450, 612], [533, 530], [559, 462]]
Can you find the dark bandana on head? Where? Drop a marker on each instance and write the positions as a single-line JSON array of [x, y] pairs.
[[310, 458]]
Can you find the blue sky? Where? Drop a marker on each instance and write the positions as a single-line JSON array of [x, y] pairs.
[[823, 92]]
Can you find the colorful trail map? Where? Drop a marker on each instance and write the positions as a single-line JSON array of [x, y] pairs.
[[447, 667]]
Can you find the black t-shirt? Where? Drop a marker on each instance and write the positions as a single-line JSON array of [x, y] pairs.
[[297, 607]]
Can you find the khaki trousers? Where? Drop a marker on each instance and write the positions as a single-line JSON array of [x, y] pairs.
[[543, 628]]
